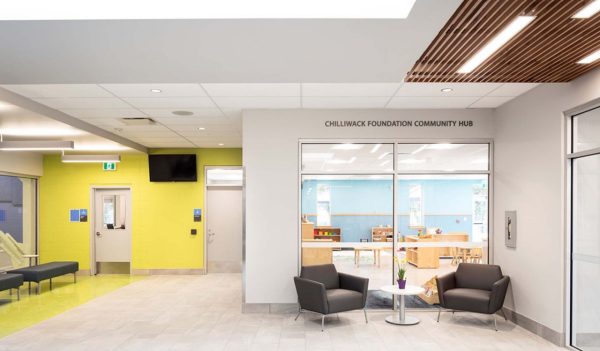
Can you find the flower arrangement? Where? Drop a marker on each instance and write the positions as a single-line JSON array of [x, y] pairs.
[[402, 269]]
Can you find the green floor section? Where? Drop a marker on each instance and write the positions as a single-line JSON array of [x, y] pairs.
[[16, 315]]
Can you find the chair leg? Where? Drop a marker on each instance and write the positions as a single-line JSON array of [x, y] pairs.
[[323, 322], [50, 283], [298, 315], [18, 294], [366, 319], [439, 312], [338, 316], [10, 292], [39, 287], [495, 323], [75, 278], [504, 314]]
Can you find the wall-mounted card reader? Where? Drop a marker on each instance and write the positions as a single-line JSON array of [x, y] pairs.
[[510, 229]]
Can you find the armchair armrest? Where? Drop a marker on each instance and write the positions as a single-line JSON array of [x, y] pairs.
[[355, 283], [498, 294], [445, 283], [311, 295]]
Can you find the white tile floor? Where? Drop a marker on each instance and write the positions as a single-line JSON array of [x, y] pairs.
[[203, 313]]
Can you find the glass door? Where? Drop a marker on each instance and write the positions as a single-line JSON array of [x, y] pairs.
[[585, 231]]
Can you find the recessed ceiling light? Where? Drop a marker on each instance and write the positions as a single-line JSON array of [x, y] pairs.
[[221, 144], [156, 90], [201, 128], [185, 9], [594, 56], [517, 25], [182, 113], [447, 90], [589, 10]]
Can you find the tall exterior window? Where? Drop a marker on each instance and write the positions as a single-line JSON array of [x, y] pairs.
[[415, 198]]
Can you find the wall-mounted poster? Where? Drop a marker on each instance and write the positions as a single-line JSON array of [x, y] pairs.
[[83, 215], [197, 215], [74, 215]]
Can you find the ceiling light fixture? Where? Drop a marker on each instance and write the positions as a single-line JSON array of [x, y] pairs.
[[375, 148], [90, 158], [36, 145], [185, 9], [516, 26], [447, 90], [588, 10], [156, 90], [590, 58], [201, 128], [221, 144]]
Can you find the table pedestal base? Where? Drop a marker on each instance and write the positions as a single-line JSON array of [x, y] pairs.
[[408, 320]]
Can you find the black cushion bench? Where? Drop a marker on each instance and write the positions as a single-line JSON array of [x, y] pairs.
[[11, 281], [47, 271]]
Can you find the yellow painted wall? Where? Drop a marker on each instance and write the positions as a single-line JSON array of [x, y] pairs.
[[162, 213]]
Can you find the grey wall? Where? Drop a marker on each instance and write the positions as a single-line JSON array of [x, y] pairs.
[[270, 147], [529, 163]]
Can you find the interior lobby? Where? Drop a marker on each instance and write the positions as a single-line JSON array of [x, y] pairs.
[[300, 175]]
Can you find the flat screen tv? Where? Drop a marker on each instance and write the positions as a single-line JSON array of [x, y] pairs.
[[172, 168]]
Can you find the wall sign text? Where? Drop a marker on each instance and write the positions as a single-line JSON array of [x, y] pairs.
[[398, 123]]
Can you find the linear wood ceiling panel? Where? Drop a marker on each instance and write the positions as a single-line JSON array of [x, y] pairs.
[[545, 51]]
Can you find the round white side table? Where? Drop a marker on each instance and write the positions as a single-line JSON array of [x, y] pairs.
[[401, 318]]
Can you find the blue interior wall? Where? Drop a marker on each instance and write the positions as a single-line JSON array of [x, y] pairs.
[[11, 207], [447, 205]]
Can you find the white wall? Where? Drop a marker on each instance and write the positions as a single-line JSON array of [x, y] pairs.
[[270, 147], [529, 177], [21, 163]]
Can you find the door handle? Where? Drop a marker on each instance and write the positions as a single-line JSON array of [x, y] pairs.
[[98, 234]]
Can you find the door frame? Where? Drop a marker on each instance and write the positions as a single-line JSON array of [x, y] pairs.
[[92, 218], [205, 208]]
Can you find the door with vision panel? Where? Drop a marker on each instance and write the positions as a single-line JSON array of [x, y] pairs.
[[112, 230], [224, 229]]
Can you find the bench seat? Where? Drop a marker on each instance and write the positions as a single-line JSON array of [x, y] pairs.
[[11, 281], [46, 271]]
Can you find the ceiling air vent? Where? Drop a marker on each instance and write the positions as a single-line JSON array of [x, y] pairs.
[[138, 121]]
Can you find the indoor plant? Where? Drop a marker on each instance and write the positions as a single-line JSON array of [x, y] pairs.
[[402, 267]]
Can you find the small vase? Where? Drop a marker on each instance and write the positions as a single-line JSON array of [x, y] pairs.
[[401, 284]]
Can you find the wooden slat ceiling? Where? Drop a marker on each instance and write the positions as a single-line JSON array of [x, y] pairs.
[[545, 51]]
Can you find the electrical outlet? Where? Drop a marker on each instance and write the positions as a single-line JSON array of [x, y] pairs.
[[194, 231]]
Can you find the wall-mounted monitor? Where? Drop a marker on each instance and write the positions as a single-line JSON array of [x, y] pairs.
[[172, 168]]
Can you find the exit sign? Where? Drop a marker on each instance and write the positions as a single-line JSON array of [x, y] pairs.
[[109, 166]]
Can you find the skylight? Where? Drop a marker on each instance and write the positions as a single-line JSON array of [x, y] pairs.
[[202, 9]]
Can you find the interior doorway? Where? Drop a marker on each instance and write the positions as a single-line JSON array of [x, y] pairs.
[[111, 236], [224, 219]]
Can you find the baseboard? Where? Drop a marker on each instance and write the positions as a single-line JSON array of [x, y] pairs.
[[269, 307], [194, 271], [84, 272], [539, 329]]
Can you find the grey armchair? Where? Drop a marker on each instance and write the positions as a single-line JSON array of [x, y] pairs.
[[479, 288], [323, 290]]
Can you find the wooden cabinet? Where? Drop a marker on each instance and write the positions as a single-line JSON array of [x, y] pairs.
[[312, 256], [422, 257], [382, 234], [308, 231], [335, 234]]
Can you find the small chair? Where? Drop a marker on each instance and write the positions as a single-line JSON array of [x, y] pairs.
[[323, 290], [478, 288]]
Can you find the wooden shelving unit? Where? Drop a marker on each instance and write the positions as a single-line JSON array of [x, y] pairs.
[[422, 257], [335, 234], [382, 234]]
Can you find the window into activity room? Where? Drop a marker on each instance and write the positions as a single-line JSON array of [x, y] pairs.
[[362, 204]]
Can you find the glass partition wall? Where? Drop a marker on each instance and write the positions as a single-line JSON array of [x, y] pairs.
[[585, 230], [362, 204]]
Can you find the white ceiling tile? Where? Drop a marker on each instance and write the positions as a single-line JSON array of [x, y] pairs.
[[252, 90], [154, 127], [58, 90], [173, 121], [431, 102], [435, 89], [344, 102], [149, 133], [194, 127], [172, 103], [232, 133], [513, 89], [169, 144], [103, 113], [257, 102], [83, 103], [491, 101], [153, 139], [197, 112], [145, 90], [349, 89]]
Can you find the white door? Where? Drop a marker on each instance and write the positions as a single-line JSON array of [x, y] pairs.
[[224, 229], [112, 221]]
